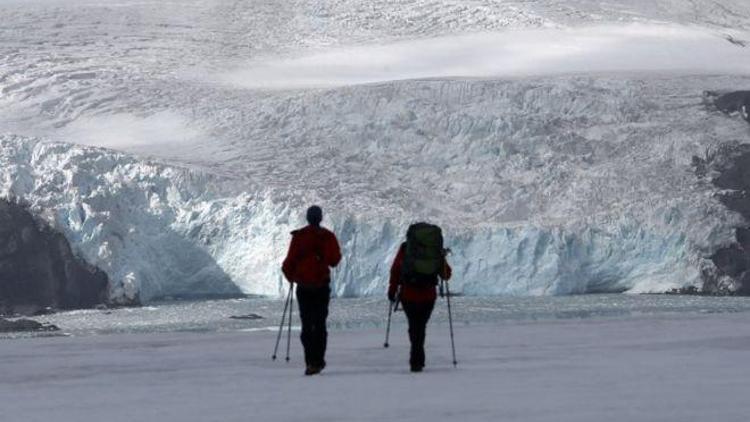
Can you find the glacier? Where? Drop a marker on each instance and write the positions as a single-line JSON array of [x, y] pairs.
[[162, 231], [146, 133]]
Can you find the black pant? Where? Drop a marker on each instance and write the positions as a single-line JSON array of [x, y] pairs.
[[313, 310], [417, 313]]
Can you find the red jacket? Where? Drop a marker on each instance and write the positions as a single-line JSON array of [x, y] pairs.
[[312, 251], [411, 293]]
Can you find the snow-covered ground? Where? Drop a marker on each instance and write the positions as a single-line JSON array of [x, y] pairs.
[[552, 139], [680, 368]]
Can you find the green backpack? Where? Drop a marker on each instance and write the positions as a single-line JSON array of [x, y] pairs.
[[424, 255]]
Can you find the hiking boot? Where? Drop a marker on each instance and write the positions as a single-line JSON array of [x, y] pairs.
[[416, 368], [312, 370]]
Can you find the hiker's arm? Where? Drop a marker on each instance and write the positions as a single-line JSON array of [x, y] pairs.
[[447, 271], [291, 258], [395, 279], [333, 251]]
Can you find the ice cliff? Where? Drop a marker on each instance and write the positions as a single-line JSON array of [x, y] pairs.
[[160, 230]]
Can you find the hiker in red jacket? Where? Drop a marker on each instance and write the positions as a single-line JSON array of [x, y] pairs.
[[313, 251], [418, 301]]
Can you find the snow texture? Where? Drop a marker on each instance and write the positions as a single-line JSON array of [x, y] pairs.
[[680, 368], [232, 117]]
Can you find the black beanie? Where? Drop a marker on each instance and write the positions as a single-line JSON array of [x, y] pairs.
[[314, 215]]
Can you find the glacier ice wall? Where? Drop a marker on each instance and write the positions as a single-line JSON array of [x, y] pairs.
[[140, 222], [164, 231]]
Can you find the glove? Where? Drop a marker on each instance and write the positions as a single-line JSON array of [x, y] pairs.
[[392, 295]]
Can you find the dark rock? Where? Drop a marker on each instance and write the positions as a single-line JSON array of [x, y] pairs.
[[743, 238], [738, 202], [731, 162], [21, 325], [743, 287], [6, 309], [39, 270], [44, 311], [689, 290], [248, 316], [732, 102], [27, 309], [736, 41], [732, 260], [734, 168]]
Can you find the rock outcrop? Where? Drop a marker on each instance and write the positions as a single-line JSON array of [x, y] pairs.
[[733, 261], [729, 166], [39, 270], [733, 102], [24, 325]]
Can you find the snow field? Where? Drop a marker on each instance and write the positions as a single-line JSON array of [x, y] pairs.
[[657, 368]]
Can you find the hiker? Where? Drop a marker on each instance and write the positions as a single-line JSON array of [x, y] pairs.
[[312, 252], [419, 263]]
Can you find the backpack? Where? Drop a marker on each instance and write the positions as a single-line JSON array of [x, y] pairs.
[[423, 255]]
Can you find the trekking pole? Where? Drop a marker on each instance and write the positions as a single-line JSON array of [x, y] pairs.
[[281, 325], [289, 331], [391, 307], [450, 321]]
